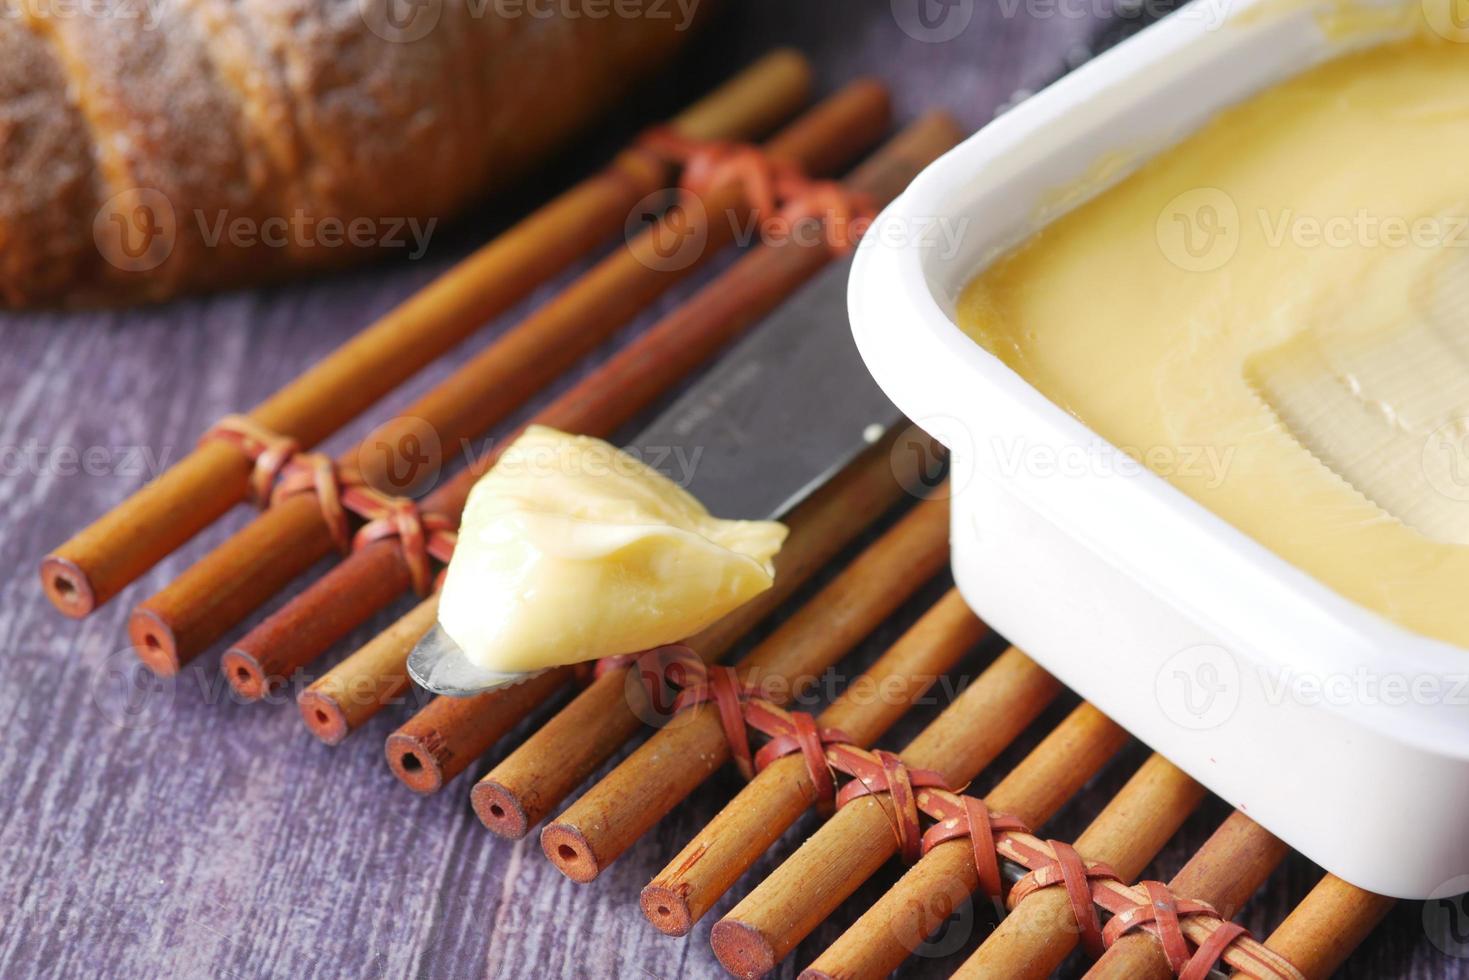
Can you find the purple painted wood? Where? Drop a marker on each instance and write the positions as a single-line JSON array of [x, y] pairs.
[[164, 829]]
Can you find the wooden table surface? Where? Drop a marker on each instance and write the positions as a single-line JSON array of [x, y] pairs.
[[164, 829]]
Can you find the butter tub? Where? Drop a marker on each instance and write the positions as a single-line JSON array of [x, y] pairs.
[[1342, 733]]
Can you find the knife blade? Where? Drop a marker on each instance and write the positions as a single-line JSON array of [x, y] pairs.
[[782, 412]]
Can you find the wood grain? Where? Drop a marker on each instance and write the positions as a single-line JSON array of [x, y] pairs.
[[182, 834]]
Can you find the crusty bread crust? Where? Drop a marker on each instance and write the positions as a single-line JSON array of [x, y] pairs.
[[48, 193], [146, 143]]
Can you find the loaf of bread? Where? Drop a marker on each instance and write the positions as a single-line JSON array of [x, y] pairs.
[[151, 147]]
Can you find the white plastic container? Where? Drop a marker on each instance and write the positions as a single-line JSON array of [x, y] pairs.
[[1341, 732]]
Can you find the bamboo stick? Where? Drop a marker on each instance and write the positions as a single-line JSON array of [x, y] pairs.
[[175, 625], [696, 878], [124, 543], [854, 843], [343, 698], [520, 791], [424, 761], [1330, 922], [1225, 872], [664, 770], [353, 591], [1033, 940]]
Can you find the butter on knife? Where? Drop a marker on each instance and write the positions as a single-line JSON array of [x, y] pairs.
[[572, 550]]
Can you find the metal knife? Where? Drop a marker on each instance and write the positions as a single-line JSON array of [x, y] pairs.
[[781, 413]]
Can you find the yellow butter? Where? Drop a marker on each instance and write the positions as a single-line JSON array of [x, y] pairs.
[[571, 549], [1270, 315]]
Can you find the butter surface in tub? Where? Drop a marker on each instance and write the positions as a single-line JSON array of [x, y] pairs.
[[570, 550], [1272, 316]]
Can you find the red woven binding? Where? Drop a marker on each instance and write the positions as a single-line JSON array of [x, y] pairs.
[[316, 473], [268, 451], [846, 214], [722, 687], [1162, 910], [659, 671], [421, 536], [968, 816], [776, 190], [1071, 872], [799, 733], [882, 772], [340, 490], [1212, 950], [1165, 913]]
